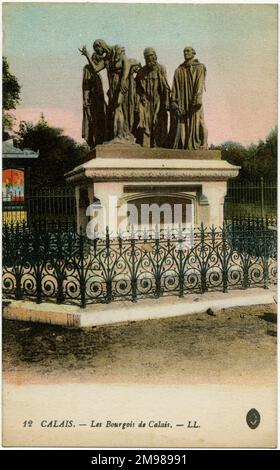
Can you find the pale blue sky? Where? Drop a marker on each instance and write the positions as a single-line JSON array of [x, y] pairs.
[[237, 43]]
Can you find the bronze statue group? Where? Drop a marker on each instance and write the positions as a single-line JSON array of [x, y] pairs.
[[140, 98]]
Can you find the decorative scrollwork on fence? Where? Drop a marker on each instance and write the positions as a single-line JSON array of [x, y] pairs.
[[68, 268]]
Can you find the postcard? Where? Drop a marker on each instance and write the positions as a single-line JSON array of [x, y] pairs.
[[139, 191]]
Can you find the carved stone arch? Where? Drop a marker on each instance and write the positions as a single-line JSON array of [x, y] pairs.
[[161, 198]]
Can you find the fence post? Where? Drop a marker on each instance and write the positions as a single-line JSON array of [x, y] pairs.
[[157, 263], [82, 272], [17, 266], [262, 198], [59, 268], [224, 259], [265, 247], [203, 255], [38, 284], [109, 293], [133, 280], [181, 270], [245, 243]]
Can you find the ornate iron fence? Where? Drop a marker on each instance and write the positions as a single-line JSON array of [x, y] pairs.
[[68, 268]]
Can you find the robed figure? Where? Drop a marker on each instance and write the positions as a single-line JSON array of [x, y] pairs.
[[153, 102], [94, 108], [121, 93], [188, 130]]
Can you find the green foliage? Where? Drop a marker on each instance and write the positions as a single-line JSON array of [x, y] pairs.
[[58, 153], [255, 160], [7, 124], [11, 97], [11, 87]]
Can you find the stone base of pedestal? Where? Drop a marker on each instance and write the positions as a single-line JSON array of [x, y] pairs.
[[145, 309], [119, 174]]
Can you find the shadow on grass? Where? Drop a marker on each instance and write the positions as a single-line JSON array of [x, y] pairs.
[[269, 317], [272, 333]]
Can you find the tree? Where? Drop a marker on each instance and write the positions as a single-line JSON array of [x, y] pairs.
[[256, 160], [58, 153], [11, 97], [236, 154]]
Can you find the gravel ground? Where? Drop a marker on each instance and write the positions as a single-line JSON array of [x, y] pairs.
[[233, 346]]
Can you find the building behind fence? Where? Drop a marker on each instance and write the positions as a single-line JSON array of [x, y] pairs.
[[64, 267]]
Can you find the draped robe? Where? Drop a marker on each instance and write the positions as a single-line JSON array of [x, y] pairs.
[[153, 91], [124, 112], [188, 130], [94, 111]]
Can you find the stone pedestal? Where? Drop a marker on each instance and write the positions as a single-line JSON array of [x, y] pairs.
[[117, 174]]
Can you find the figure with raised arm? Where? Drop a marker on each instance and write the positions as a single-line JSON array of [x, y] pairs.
[[113, 58]]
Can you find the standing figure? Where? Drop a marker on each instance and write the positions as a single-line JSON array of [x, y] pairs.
[[114, 59], [131, 99], [94, 107], [188, 130], [153, 91]]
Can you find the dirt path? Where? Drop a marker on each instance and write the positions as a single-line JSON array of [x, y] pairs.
[[236, 346]]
